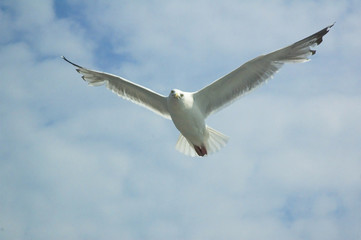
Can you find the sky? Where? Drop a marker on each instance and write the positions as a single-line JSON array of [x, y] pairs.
[[78, 162]]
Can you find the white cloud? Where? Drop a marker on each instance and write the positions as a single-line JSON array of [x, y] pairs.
[[78, 162]]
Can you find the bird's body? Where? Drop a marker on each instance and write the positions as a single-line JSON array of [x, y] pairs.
[[188, 110], [187, 117]]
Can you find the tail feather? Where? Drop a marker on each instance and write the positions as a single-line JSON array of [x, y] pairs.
[[213, 143], [185, 147]]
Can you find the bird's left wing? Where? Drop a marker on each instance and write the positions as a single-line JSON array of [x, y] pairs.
[[126, 89], [251, 74]]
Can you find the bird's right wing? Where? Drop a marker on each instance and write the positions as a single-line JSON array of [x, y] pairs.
[[126, 89], [227, 89]]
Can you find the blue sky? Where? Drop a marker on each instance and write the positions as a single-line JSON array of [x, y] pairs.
[[78, 162]]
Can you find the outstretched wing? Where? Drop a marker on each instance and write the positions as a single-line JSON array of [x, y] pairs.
[[126, 89], [251, 74]]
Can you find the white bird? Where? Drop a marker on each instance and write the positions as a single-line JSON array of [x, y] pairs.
[[188, 110]]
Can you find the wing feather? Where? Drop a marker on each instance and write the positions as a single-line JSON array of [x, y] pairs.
[[227, 89], [126, 89]]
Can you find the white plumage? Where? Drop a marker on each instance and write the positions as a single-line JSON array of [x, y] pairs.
[[188, 110]]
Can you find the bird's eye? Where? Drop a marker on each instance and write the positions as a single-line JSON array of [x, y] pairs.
[[181, 94], [172, 91]]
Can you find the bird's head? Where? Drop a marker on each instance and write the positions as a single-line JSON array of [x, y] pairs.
[[177, 94]]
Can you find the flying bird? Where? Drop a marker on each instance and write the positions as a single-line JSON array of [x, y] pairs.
[[188, 110]]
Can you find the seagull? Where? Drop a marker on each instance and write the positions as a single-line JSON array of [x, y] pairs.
[[188, 110]]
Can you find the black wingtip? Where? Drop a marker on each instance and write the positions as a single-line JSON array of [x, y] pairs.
[[76, 65], [319, 40], [327, 29], [319, 35]]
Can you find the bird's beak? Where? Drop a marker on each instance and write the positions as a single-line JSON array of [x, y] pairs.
[[176, 95]]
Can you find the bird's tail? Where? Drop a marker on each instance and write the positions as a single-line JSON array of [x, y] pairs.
[[214, 143]]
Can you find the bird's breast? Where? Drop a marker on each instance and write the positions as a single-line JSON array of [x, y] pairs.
[[189, 120]]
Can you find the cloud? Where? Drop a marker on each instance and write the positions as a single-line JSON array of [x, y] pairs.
[[77, 162]]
